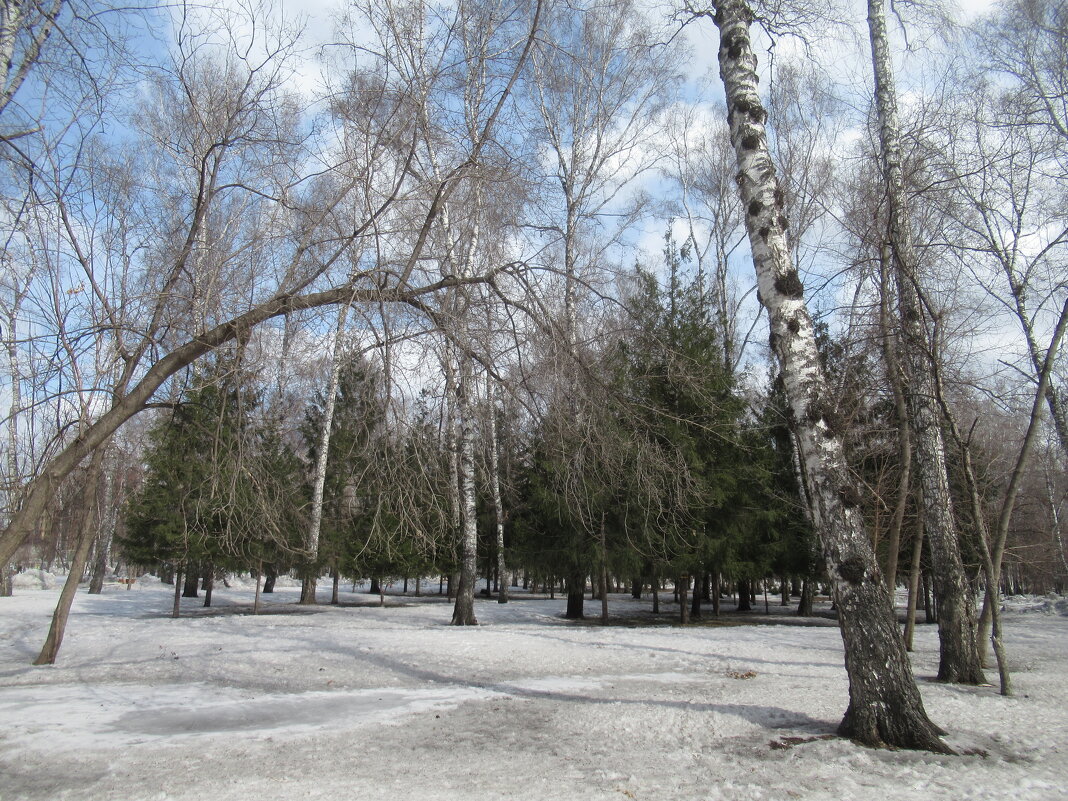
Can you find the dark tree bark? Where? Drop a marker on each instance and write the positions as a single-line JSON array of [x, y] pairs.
[[100, 564], [914, 584], [744, 594], [307, 588], [192, 582], [576, 596], [176, 606], [804, 604], [209, 584], [270, 576], [682, 586]]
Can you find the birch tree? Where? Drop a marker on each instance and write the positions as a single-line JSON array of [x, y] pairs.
[[957, 617], [885, 707]]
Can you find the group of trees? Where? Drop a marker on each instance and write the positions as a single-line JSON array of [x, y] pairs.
[[397, 323]]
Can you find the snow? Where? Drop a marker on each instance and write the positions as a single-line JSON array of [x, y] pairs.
[[359, 701], [33, 580]]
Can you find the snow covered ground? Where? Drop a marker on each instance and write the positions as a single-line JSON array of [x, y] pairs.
[[365, 702]]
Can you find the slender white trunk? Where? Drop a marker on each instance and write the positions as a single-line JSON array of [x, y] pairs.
[[885, 707], [311, 541], [495, 492], [957, 618], [904, 433], [464, 610]]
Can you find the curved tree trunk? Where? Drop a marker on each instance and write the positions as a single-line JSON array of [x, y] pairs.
[[50, 649], [885, 707], [957, 618]]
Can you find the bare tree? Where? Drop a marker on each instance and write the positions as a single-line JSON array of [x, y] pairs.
[[957, 618], [885, 706]]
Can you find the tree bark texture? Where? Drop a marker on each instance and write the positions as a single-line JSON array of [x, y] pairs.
[[890, 345], [914, 584], [463, 613], [576, 596], [495, 490], [957, 619], [86, 534], [885, 708], [322, 457]]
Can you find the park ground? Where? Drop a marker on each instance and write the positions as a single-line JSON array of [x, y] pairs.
[[369, 702]]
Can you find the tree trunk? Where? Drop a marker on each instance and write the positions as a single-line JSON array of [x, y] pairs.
[[176, 606], [695, 601], [715, 593], [463, 613], [914, 584], [930, 611], [256, 599], [957, 618], [100, 563], [744, 593], [270, 576], [86, 534], [50, 649], [885, 707], [576, 596], [495, 492], [209, 584], [804, 603], [890, 346], [682, 587], [604, 595], [192, 581], [335, 590], [1001, 533]]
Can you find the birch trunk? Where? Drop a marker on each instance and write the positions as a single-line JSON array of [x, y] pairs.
[[885, 708], [104, 537], [914, 584], [315, 525], [904, 433], [463, 613], [495, 491], [957, 619]]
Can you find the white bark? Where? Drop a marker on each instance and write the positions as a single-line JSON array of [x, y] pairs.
[[957, 619], [315, 525], [495, 492], [885, 706]]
